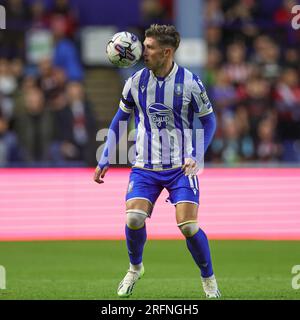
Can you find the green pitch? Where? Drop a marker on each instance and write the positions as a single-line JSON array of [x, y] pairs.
[[93, 269]]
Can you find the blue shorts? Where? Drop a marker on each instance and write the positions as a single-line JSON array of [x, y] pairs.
[[147, 184]]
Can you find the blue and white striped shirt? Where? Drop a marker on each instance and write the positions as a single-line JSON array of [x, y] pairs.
[[164, 109]]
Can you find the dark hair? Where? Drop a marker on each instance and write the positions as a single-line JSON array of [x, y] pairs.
[[166, 35]]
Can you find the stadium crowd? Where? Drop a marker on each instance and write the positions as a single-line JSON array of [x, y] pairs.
[[252, 76], [45, 117]]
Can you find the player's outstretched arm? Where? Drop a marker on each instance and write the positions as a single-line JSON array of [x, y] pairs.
[[208, 122], [112, 140]]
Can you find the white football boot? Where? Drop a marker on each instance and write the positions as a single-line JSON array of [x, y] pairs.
[[127, 284], [210, 287]]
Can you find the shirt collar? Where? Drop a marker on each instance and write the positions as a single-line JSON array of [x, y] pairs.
[[169, 76]]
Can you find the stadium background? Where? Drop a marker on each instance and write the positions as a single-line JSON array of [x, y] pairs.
[[57, 89]]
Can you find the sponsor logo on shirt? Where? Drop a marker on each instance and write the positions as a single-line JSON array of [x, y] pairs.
[[130, 186], [159, 114]]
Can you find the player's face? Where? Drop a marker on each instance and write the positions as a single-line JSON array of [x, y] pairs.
[[154, 54]]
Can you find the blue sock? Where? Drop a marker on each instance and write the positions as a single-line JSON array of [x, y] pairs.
[[199, 248], [135, 240]]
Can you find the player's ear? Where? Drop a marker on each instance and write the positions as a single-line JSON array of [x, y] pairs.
[[167, 52]]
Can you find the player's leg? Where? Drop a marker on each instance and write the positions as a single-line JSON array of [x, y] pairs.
[[197, 243], [137, 210], [140, 198], [184, 193]]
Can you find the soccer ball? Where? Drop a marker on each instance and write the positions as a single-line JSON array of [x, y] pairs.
[[124, 49]]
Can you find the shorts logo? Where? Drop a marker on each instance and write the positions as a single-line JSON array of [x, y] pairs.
[[130, 186], [193, 183], [178, 89], [159, 114]]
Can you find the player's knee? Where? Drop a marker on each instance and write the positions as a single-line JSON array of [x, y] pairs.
[[136, 218], [189, 228]]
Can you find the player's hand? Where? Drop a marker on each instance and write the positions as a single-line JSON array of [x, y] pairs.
[[190, 167], [99, 174]]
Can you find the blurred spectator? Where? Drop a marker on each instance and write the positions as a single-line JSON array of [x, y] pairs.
[[39, 19], [28, 83], [9, 149], [34, 127], [269, 60], [260, 45], [168, 6], [17, 20], [213, 36], [76, 126], [256, 98], [246, 140], [240, 12], [213, 14], [287, 97], [156, 11], [63, 11], [240, 20], [237, 69], [292, 58], [228, 147], [51, 80], [65, 51], [8, 86], [214, 59], [223, 93], [17, 69], [267, 148]]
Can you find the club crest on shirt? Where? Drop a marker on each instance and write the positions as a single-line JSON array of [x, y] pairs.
[[178, 89], [159, 114]]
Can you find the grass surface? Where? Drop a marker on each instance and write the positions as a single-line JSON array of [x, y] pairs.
[[93, 269]]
